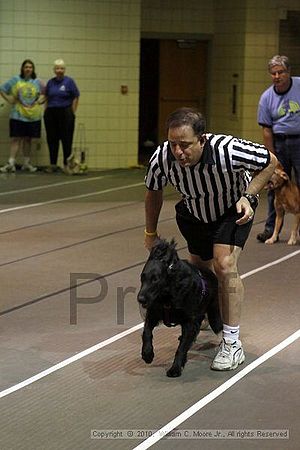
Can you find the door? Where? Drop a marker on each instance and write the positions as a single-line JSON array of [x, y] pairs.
[[182, 69], [173, 73]]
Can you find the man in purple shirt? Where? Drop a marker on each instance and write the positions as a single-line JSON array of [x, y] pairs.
[[62, 100], [279, 116]]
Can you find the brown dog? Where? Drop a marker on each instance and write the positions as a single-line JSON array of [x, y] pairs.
[[287, 199]]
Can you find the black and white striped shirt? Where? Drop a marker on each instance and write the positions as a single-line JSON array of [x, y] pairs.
[[217, 181]]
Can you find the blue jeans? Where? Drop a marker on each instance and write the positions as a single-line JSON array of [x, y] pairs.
[[287, 151]]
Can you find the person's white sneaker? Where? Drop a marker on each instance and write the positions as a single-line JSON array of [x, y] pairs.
[[29, 167], [8, 168], [229, 356]]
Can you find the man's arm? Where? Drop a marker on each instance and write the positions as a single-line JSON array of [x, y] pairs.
[[261, 178], [268, 139], [254, 187], [153, 205]]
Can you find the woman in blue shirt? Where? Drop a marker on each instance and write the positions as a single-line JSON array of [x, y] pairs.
[[62, 100]]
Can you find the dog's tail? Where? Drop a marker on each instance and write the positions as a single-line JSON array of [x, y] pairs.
[[214, 315], [213, 309]]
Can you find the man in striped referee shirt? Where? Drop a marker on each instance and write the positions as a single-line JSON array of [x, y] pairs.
[[212, 172]]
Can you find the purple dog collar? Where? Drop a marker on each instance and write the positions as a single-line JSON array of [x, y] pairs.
[[203, 283]]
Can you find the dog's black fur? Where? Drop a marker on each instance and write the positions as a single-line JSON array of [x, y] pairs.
[[175, 292]]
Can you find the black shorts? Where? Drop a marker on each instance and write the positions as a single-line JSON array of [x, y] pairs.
[[19, 128], [201, 237]]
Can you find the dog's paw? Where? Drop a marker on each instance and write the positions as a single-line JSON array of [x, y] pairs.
[[292, 241], [148, 356], [174, 372], [270, 241]]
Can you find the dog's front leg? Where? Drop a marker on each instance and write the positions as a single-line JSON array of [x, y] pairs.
[[188, 336], [147, 338], [293, 238], [277, 228]]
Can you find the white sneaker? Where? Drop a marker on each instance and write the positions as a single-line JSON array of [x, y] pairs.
[[229, 356], [29, 167], [8, 168]]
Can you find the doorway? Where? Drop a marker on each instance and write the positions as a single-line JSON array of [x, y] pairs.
[[289, 39], [173, 74]]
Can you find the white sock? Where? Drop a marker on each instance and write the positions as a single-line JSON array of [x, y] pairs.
[[26, 160], [12, 161], [231, 334]]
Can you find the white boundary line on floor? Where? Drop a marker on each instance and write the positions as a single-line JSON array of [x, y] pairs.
[[273, 263], [159, 434], [73, 197], [125, 333], [46, 186], [70, 360]]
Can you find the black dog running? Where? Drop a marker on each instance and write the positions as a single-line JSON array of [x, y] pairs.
[[175, 292]]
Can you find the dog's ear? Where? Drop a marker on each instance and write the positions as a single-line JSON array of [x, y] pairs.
[[158, 249], [171, 254], [173, 244], [284, 176], [281, 172]]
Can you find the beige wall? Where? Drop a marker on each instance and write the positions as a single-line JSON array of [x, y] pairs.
[[245, 35], [99, 41], [261, 43], [177, 16], [249, 37], [227, 66]]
